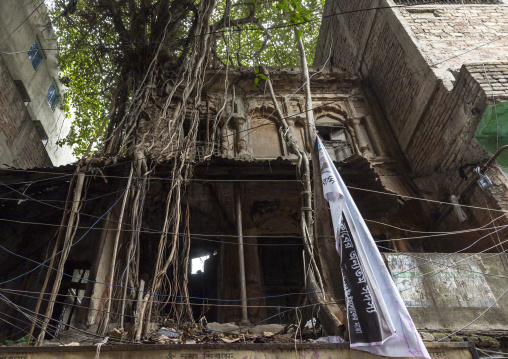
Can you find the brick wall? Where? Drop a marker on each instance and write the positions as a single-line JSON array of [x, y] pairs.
[[432, 110], [20, 144], [444, 138], [447, 31], [493, 78]]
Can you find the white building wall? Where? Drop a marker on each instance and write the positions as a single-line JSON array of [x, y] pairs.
[[37, 83]]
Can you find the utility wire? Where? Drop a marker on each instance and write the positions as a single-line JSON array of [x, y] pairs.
[[13, 31], [449, 254], [206, 237], [63, 249], [5, 299], [273, 27], [478, 317], [22, 294], [438, 271], [378, 86], [268, 181], [230, 300], [36, 319], [444, 264]]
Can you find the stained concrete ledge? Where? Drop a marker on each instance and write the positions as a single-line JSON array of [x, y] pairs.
[[224, 351]]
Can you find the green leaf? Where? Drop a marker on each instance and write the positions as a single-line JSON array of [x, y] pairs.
[[256, 81], [256, 69], [263, 77]]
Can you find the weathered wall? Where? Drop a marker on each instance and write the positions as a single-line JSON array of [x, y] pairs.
[[450, 35], [449, 292], [404, 56], [226, 351], [15, 46], [20, 144]]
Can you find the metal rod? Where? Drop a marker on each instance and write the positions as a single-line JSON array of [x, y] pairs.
[[493, 158], [241, 259]]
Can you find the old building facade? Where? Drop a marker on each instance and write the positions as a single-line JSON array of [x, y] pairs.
[[398, 120]]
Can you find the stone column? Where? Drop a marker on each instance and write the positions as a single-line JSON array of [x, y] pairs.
[[241, 256], [375, 138], [224, 143], [253, 276], [241, 137], [362, 138]]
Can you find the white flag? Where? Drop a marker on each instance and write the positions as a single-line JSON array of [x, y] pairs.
[[378, 320]]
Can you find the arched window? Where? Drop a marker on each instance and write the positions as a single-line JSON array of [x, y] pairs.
[[335, 138]]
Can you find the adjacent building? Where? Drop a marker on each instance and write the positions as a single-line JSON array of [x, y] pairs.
[[439, 74], [30, 92]]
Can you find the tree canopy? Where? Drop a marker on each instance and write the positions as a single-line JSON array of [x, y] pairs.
[[107, 46]]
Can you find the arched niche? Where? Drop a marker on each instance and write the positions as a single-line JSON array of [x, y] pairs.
[[335, 136], [265, 138]]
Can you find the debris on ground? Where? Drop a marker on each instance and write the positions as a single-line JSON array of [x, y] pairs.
[[330, 339]]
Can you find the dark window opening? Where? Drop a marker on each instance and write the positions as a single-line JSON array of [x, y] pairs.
[[203, 281], [337, 142], [283, 274], [22, 92]]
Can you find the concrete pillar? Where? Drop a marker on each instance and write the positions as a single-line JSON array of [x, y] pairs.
[[103, 276], [241, 258], [241, 137], [362, 138], [253, 276]]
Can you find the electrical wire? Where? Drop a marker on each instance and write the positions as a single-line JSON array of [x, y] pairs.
[[394, 80], [273, 27], [426, 232], [13, 31], [36, 318], [449, 254], [5, 299], [478, 317], [238, 300], [280, 181], [434, 272], [21, 293], [196, 236], [446, 265], [73, 244]]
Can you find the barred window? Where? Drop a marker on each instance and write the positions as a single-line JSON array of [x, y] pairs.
[[35, 55], [53, 96]]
